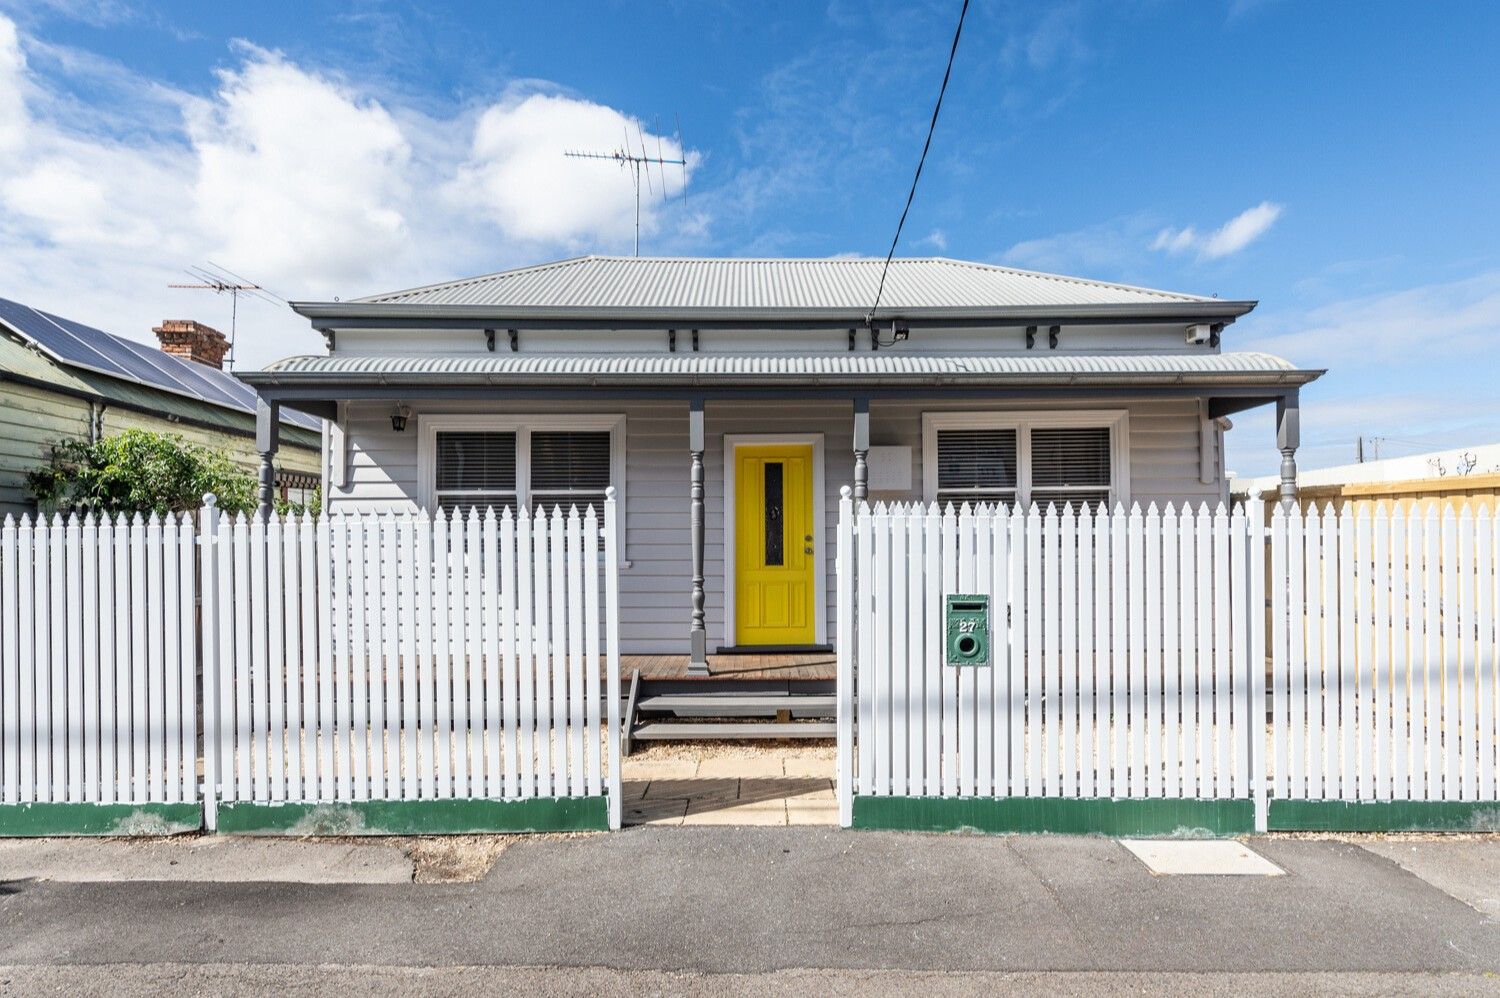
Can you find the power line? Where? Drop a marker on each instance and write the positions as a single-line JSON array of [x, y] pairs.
[[931, 127]]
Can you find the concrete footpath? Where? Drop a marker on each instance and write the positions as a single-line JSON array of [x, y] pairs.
[[787, 910]]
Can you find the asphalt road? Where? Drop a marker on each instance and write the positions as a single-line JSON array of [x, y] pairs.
[[676, 907]]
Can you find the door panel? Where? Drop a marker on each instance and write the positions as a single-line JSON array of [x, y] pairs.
[[774, 559]]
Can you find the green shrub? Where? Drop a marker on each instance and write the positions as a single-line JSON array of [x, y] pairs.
[[138, 471]]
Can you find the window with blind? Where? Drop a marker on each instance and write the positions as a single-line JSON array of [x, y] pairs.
[[520, 462], [1023, 459], [569, 467], [976, 466], [475, 469], [1070, 465]]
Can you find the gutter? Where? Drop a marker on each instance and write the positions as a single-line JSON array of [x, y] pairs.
[[293, 379], [349, 315]]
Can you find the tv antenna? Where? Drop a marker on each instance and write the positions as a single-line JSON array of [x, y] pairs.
[[627, 158], [221, 280]]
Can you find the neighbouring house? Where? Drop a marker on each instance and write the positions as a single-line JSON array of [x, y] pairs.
[[60, 379], [1459, 476], [727, 401]]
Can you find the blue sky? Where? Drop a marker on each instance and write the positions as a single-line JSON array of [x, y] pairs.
[[1334, 161]]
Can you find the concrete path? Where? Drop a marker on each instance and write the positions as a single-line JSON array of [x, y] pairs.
[[204, 858], [768, 901], [1465, 868], [731, 788]]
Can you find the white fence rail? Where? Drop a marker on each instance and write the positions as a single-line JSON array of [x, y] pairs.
[[1384, 650], [1120, 653], [410, 658], [98, 660]]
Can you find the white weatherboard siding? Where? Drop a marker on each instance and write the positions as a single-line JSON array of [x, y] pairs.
[[655, 581]]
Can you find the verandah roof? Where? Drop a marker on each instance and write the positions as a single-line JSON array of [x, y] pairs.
[[831, 369]]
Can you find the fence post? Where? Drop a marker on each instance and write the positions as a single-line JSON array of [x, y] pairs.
[[844, 650], [1254, 644], [612, 651], [1255, 629], [208, 659]]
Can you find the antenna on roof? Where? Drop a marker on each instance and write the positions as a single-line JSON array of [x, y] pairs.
[[220, 280], [627, 158]]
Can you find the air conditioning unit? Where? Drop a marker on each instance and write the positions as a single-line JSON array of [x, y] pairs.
[[1200, 332]]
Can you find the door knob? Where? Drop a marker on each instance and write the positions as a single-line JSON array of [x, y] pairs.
[[807, 550]]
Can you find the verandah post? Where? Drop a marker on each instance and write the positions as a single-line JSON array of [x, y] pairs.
[[698, 631]]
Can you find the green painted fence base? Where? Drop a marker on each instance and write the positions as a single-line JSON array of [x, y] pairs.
[[1383, 816], [54, 818], [416, 817], [1157, 818]]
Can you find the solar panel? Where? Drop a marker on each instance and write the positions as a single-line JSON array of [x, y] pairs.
[[75, 344]]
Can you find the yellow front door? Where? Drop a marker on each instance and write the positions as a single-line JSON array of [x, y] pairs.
[[774, 561]]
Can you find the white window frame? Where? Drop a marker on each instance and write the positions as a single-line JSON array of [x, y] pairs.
[[1117, 421], [429, 426]]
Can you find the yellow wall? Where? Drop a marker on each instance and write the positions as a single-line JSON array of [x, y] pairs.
[[1448, 492]]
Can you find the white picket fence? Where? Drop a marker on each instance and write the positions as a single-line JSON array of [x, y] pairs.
[[412, 657], [1130, 656], [1384, 650], [1121, 649], [98, 655]]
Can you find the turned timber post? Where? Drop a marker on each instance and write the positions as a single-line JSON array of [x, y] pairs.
[[861, 450], [1288, 438], [698, 632], [267, 438]]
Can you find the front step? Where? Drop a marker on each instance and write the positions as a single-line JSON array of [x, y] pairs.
[[739, 704], [654, 709], [668, 731]]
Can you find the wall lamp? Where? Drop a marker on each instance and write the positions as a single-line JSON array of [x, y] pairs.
[[398, 418]]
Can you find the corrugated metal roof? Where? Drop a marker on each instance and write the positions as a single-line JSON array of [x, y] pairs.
[[881, 367], [606, 282]]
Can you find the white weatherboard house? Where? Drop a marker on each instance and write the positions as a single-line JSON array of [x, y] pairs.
[[728, 401]]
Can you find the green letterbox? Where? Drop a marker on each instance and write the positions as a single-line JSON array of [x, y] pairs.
[[968, 629]]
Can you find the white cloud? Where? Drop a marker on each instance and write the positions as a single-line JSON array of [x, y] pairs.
[[937, 239], [300, 180], [518, 176], [1400, 365], [1231, 237], [12, 78], [1107, 247], [1440, 320]]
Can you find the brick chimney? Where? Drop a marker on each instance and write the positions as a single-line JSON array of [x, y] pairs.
[[192, 340]]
